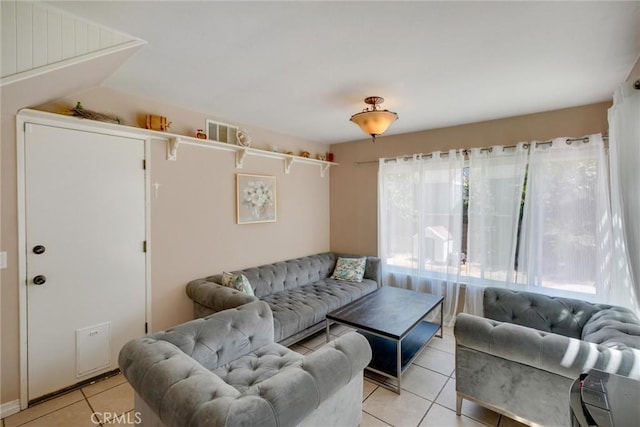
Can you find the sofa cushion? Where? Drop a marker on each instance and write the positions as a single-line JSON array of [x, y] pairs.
[[257, 366], [614, 327], [349, 269], [297, 309], [564, 316], [237, 281]]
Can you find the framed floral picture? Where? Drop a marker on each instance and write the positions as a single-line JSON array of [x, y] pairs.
[[255, 198]]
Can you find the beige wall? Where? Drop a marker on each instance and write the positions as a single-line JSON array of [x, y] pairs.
[[9, 356], [193, 229], [354, 187]]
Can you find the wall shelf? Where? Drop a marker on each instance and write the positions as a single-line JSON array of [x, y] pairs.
[[174, 141]]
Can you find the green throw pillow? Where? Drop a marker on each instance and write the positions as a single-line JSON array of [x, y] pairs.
[[349, 269], [237, 281]]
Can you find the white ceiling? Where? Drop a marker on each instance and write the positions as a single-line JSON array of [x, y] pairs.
[[303, 68]]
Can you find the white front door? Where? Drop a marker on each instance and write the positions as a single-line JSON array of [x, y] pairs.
[[85, 230]]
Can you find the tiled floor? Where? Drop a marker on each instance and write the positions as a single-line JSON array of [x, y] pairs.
[[427, 399], [110, 399]]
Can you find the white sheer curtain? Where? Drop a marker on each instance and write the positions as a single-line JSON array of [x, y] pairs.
[[496, 179], [624, 161], [565, 242], [420, 224]]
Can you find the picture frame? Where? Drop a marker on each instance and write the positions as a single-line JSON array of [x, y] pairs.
[[255, 198]]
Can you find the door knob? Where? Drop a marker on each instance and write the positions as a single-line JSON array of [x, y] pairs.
[[39, 249], [39, 280]]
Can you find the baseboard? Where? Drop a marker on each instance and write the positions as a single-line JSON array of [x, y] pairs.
[[9, 408]]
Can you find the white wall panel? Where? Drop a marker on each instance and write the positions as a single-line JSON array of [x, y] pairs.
[[40, 42], [81, 38], [105, 38], [93, 39], [36, 34], [117, 39], [54, 35], [68, 37], [9, 37], [24, 36]]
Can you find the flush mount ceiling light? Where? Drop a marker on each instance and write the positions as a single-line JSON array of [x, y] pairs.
[[372, 120]]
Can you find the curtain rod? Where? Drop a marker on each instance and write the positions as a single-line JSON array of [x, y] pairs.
[[466, 152]]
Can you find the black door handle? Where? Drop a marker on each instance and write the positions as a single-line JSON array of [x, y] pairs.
[[39, 249], [39, 280]]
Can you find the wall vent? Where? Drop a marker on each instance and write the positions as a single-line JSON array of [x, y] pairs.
[[221, 132]]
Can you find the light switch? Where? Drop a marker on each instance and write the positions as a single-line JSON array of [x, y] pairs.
[[3, 259]]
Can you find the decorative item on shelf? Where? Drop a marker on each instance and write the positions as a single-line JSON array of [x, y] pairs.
[[372, 120], [305, 154], [160, 123], [329, 156], [200, 134], [79, 111], [290, 153], [255, 198], [243, 139], [274, 148], [321, 156]]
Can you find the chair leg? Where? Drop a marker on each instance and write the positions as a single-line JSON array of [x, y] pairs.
[[458, 404]]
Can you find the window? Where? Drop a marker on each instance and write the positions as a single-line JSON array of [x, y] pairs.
[[533, 217], [565, 241]]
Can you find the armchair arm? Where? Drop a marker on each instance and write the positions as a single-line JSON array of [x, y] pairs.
[[551, 352], [336, 363], [216, 297], [297, 391]]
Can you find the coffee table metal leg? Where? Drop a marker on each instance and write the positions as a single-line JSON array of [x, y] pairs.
[[399, 364], [328, 331], [441, 320]]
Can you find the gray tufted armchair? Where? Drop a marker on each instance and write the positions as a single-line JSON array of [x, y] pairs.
[[522, 357], [225, 370]]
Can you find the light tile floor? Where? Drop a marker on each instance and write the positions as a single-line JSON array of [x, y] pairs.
[[427, 398]]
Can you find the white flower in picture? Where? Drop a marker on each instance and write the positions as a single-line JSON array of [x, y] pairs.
[[256, 198]]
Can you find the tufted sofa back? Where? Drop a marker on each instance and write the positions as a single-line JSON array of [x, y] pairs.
[[564, 316], [614, 327], [280, 276], [285, 275], [217, 340]]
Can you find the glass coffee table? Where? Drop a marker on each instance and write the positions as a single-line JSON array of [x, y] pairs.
[[392, 320]]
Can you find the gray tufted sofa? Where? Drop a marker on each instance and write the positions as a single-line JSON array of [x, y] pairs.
[[225, 370], [299, 291], [522, 357]]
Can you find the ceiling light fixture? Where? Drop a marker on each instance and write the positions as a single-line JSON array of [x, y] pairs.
[[372, 120]]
